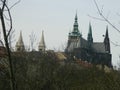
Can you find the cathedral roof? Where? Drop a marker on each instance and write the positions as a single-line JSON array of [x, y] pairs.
[[82, 43], [98, 47], [79, 43]]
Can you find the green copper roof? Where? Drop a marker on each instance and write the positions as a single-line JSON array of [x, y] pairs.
[[75, 31], [75, 26]]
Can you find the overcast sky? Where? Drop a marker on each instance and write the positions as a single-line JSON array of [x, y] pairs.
[[56, 18]]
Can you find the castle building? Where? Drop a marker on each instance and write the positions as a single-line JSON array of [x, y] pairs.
[[87, 50], [42, 45], [20, 44]]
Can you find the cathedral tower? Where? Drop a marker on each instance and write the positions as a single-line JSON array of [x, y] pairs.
[[73, 36], [20, 44]]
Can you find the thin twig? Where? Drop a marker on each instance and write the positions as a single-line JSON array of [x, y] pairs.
[[10, 20], [4, 3], [115, 44], [15, 4], [100, 13], [96, 18]]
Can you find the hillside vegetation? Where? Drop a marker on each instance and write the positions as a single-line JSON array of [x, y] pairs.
[[37, 71]]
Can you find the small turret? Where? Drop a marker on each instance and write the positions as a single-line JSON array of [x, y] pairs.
[[20, 43], [107, 41], [90, 38], [42, 46]]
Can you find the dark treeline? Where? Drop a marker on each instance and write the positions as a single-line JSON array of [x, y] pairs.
[[35, 71]]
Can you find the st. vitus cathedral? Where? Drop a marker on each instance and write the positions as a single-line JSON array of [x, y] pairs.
[[87, 50]]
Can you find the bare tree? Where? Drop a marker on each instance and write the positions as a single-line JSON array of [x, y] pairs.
[[6, 32], [63, 46], [11, 39], [32, 40]]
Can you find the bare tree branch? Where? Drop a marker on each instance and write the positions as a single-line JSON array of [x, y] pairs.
[[11, 39], [96, 18], [115, 44], [4, 2], [32, 40], [15, 4], [9, 14], [108, 15], [101, 14], [10, 20]]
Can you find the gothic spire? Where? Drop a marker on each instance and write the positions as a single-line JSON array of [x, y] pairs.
[[90, 38], [20, 43], [107, 36], [75, 32], [107, 41], [75, 26], [76, 17], [42, 46]]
